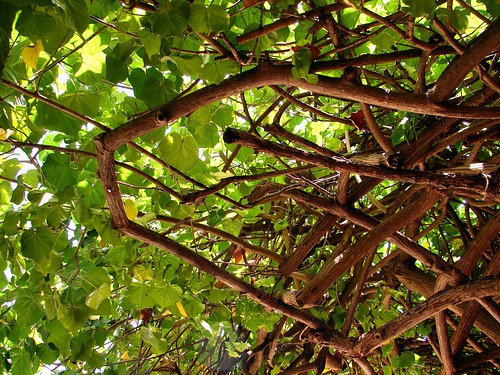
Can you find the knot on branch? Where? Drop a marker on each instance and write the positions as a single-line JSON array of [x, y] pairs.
[[231, 135], [161, 117]]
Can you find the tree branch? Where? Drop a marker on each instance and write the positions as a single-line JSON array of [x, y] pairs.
[[455, 72], [439, 302]]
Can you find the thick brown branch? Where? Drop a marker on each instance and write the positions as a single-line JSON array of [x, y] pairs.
[[462, 184], [430, 260], [320, 228], [335, 267], [421, 282], [266, 75], [450, 297], [455, 72], [148, 236], [222, 234]]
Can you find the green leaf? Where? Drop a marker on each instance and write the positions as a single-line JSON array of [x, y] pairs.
[[301, 61], [58, 171], [156, 92], [385, 39], [140, 295], [74, 13], [216, 71], [37, 243], [42, 26], [179, 151], [71, 316], [407, 359], [48, 353], [7, 16], [58, 336], [27, 307], [460, 19], [171, 18], [492, 6], [232, 226], [151, 42], [50, 118], [191, 66], [208, 19], [22, 363], [193, 306], [166, 295], [203, 130], [83, 102], [420, 8], [95, 298], [118, 60], [157, 343]]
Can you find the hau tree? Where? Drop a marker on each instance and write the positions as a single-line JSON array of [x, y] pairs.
[[249, 187]]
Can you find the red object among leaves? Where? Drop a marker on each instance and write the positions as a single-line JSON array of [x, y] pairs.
[[315, 51], [358, 119], [146, 315]]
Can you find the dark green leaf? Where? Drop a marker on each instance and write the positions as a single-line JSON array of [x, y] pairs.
[[42, 26], [118, 60], [58, 171], [27, 307], [170, 19], [37, 243], [493, 7], [156, 92], [50, 118], [208, 19], [74, 13]]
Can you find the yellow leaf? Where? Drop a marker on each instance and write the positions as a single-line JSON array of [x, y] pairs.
[[125, 356], [181, 309], [31, 53], [4, 134], [142, 273], [130, 209]]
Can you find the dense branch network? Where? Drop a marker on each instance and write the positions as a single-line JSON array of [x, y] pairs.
[[418, 192], [335, 166]]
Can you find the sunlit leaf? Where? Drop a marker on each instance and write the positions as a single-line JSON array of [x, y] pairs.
[[180, 151], [130, 209], [84, 102], [95, 298], [72, 317], [208, 19], [31, 53], [166, 295], [140, 295], [151, 42], [180, 307], [158, 344]]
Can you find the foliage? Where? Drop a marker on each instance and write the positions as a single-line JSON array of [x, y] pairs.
[[248, 187]]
